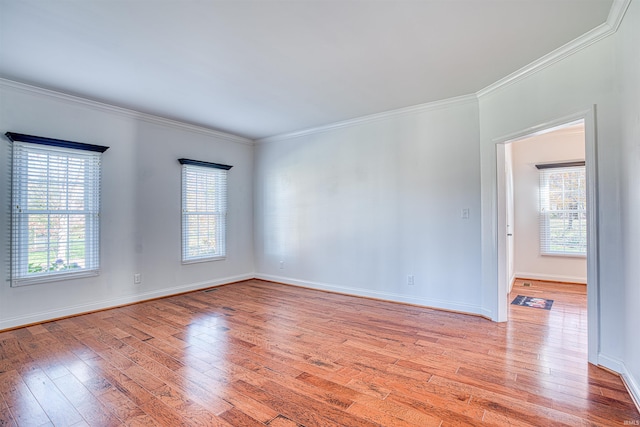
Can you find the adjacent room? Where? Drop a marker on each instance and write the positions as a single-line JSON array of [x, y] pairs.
[[318, 213]]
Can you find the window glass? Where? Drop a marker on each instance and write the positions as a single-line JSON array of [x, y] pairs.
[[55, 213], [563, 211], [204, 213]]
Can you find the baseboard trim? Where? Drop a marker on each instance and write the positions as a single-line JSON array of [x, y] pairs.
[[618, 367], [52, 315], [632, 387], [488, 314], [610, 363], [381, 296], [552, 278]]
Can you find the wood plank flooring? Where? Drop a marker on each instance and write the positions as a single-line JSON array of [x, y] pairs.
[[257, 353]]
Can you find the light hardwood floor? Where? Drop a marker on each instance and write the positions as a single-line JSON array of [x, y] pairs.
[[258, 353]]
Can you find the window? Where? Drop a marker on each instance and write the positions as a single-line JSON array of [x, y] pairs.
[[55, 193], [563, 209], [204, 210]]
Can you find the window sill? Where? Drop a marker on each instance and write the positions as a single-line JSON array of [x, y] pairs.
[[200, 260], [15, 283], [561, 255]]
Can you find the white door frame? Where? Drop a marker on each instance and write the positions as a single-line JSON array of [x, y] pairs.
[[588, 116]]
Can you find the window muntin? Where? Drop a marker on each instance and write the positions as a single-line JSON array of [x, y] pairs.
[[204, 211], [563, 211], [55, 212]]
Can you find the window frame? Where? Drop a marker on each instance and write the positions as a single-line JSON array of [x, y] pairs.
[[544, 210], [22, 146], [192, 167]]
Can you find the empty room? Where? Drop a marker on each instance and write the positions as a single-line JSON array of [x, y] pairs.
[[309, 212]]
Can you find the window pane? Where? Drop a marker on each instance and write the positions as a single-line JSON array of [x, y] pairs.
[[204, 205], [56, 205], [563, 226], [38, 243]]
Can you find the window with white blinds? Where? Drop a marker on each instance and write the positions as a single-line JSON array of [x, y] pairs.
[[55, 229], [204, 210], [563, 209]]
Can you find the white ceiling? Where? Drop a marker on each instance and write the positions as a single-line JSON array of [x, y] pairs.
[[258, 68]]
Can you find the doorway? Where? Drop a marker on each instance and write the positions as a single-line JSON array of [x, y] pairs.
[[505, 222]]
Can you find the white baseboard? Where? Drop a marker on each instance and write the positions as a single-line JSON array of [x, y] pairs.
[[489, 314], [44, 316], [386, 296], [512, 280], [610, 363], [632, 384], [551, 277]]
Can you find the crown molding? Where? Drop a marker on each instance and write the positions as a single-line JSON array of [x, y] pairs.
[[616, 14], [414, 109], [104, 107], [614, 19]]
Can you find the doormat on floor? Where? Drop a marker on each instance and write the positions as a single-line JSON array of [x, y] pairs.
[[533, 302]]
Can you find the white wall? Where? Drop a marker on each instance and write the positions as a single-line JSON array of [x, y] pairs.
[[359, 207], [558, 146], [628, 88], [140, 220], [564, 88]]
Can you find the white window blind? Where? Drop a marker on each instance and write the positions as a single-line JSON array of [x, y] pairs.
[[563, 210], [55, 232], [204, 210]]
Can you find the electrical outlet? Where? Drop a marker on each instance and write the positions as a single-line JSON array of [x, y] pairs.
[[464, 213], [410, 280], [137, 278], [281, 265]]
